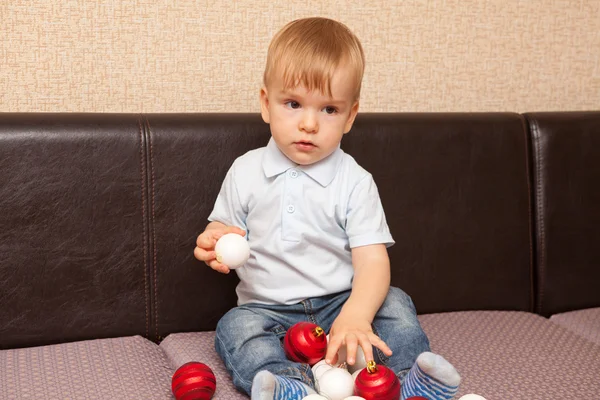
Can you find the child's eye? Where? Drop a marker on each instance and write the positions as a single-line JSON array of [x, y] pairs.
[[330, 110], [292, 104]]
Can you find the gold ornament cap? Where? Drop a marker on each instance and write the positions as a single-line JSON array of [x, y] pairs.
[[371, 367]]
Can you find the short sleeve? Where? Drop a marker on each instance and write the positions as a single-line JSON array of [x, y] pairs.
[[228, 208], [365, 219]]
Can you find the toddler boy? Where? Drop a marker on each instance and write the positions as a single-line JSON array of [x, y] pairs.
[[316, 229]]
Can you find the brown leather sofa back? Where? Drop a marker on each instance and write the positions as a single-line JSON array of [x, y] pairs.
[[72, 229], [455, 188], [190, 157], [566, 154], [100, 213]]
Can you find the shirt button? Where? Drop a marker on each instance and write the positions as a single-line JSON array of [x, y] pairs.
[[291, 208], [294, 173]]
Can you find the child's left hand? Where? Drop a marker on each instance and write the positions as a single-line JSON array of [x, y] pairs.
[[353, 332]]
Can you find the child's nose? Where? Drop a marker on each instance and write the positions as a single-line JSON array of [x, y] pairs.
[[309, 122]]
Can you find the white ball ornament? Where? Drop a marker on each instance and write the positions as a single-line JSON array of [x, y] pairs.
[[232, 250], [354, 398], [336, 384], [320, 368], [472, 396], [314, 396]]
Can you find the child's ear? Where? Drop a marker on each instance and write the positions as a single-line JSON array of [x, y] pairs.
[[264, 104], [351, 117]]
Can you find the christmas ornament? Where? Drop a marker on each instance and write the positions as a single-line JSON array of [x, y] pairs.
[[232, 250], [193, 381], [377, 382], [336, 384], [472, 396], [319, 369], [305, 342], [314, 396]]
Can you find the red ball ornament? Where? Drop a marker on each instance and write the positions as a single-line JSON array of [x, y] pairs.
[[377, 382], [193, 381], [305, 342]]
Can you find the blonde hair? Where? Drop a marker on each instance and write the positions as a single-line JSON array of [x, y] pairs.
[[308, 51]]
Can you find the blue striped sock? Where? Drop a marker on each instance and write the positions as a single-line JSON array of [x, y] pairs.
[[267, 386], [432, 377]]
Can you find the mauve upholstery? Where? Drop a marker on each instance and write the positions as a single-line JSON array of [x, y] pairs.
[[181, 348], [515, 355], [121, 368], [585, 323], [501, 355]]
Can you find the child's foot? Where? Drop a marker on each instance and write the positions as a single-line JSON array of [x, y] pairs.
[[432, 377], [267, 386]]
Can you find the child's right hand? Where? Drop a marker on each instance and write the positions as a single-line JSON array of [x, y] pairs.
[[205, 246]]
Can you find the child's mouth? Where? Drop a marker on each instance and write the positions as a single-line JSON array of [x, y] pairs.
[[304, 146]]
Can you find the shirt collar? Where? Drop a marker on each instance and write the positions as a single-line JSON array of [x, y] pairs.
[[323, 171]]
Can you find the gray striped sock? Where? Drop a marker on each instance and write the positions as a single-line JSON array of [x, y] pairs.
[[267, 386], [432, 377]]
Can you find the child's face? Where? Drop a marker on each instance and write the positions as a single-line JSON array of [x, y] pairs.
[[308, 126]]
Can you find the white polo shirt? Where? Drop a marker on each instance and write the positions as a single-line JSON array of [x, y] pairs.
[[300, 222]]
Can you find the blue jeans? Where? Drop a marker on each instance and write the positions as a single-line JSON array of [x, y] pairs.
[[250, 337]]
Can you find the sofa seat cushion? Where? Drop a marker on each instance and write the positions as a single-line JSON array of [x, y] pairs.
[[181, 348], [515, 355], [499, 354], [585, 323], [120, 368]]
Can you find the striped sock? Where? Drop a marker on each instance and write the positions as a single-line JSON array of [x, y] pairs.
[[267, 386], [431, 377]]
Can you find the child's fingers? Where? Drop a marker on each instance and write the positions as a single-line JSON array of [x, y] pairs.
[[367, 348], [217, 266], [204, 255], [332, 349], [234, 229], [206, 240], [380, 344], [213, 235], [351, 347], [334, 360], [205, 244]]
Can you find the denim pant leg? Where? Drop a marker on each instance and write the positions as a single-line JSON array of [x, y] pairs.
[[249, 340], [396, 324]]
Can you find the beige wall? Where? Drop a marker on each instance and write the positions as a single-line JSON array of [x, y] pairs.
[[189, 56]]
